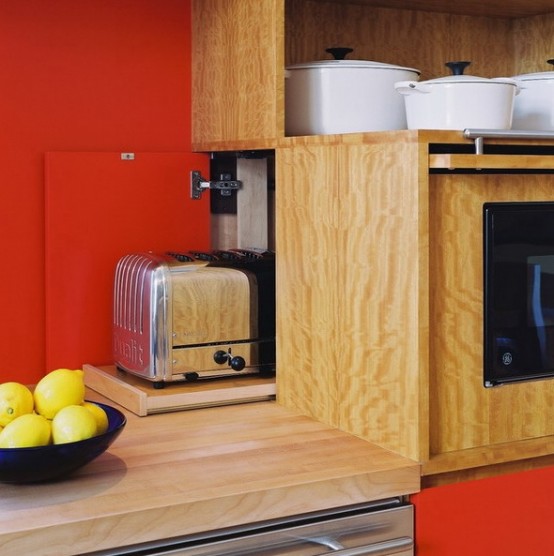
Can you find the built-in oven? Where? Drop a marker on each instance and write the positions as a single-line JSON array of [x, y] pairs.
[[519, 291], [381, 528]]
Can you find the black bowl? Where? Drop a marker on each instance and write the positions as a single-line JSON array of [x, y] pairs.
[[44, 463]]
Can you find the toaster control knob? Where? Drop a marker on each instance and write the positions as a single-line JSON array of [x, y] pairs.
[[221, 357], [237, 363]]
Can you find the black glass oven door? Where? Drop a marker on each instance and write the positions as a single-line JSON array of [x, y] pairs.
[[518, 291]]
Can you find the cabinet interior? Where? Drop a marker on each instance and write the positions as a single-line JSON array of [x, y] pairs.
[[490, 8], [496, 44], [241, 48]]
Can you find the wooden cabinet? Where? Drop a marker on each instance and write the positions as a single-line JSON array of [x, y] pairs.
[[237, 73], [380, 296], [350, 269], [379, 257], [241, 48]]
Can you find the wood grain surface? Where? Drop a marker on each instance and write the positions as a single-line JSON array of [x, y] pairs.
[[351, 320], [416, 39], [490, 8], [238, 70], [139, 395], [380, 310], [194, 471], [464, 414], [490, 161], [241, 49]]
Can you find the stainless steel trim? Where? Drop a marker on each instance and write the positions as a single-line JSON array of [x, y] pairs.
[[480, 134], [348, 531], [473, 133], [376, 549]]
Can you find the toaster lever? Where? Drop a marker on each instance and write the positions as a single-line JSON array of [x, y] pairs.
[[237, 363]]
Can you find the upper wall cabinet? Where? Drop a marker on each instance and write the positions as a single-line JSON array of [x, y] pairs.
[[241, 49], [238, 71]]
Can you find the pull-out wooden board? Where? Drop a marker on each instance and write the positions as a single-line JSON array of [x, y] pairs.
[[139, 395]]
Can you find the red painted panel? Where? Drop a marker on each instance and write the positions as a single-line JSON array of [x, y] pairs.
[[510, 515], [85, 75], [98, 208]]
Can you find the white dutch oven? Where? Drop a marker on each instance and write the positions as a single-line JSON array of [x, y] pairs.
[[344, 96], [534, 106], [459, 101]]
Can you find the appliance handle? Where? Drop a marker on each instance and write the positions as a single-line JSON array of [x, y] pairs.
[[472, 133], [480, 134], [373, 549]]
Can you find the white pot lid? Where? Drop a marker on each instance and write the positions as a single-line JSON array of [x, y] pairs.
[[538, 76], [350, 64], [450, 79]]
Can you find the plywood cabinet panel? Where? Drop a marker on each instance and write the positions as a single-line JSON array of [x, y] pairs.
[[489, 8], [238, 70], [352, 332], [533, 39], [380, 300], [308, 329], [464, 414], [416, 39]]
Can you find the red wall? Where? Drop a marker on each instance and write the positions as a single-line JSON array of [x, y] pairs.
[[509, 515], [76, 75]]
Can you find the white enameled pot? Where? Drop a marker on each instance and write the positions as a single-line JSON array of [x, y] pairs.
[[344, 96], [534, 106], [458, 102]]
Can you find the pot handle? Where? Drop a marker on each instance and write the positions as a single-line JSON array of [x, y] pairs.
[[411, 87]]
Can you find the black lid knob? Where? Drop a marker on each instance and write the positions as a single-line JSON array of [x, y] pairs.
[[339, 52], [457, 68]]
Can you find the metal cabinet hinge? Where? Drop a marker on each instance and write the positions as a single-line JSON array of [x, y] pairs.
[[199, 184]]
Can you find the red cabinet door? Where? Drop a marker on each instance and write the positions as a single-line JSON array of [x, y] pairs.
[[100, 206], [507, 515]]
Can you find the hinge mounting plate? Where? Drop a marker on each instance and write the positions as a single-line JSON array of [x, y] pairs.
[[199, 184]]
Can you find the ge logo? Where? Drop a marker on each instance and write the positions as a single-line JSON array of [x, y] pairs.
[[507, 358]]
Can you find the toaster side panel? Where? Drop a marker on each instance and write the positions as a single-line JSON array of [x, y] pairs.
[[140, 343]]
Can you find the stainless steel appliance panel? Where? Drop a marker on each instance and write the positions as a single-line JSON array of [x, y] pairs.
[[379, 529]]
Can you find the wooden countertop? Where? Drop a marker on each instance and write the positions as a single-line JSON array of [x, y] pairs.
[[191, 471]]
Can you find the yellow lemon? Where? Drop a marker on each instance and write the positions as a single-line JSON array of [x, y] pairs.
[[59, 389], [15, 400], [26, 431], [99, 415], [73, 423]]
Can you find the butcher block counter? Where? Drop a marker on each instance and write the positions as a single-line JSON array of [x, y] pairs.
[[184, 472]]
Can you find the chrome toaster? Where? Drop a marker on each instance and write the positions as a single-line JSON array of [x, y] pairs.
[[194, 315]]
